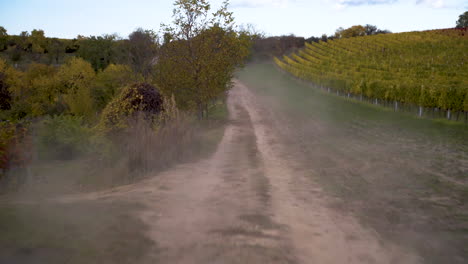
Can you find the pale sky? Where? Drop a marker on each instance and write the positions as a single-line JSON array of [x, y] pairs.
[[67, 19]]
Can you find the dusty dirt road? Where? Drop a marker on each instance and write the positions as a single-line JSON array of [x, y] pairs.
[[252, 201]]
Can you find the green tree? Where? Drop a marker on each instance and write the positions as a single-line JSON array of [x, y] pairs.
[[99, 51], [3, 38], [373, 30], [370, 29], [354, 31], [142, 48], [200, 54], [462, 21], [55, 50], [38, 41], [76, 77], [42, 86], [23, 42], [34, 92], [109, 83]]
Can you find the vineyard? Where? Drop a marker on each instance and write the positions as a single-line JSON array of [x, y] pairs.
[[426, 72]]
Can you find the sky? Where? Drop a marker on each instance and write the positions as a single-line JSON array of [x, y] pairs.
[[67, 19]]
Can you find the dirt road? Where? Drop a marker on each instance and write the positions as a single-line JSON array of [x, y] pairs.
[[253, 201]]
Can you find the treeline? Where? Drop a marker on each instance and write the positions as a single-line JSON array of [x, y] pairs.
[[100, 51], [277, 46], [354, 31], [91, 88], [426, 69]]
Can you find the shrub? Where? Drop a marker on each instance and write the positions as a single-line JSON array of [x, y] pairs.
[[109, 82], [67, 137], [137, 98], [158, 142], [15, 145]]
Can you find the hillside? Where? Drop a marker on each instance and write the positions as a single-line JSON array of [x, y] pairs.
[[427, 69]]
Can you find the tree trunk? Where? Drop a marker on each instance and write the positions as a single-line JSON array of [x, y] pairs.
[[200, 111]]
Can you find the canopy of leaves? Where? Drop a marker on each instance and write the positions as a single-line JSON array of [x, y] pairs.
[[109, 82], [38, 41], [462, 21], [199, 55], [3, 38], [142, 48], [99, 51], [76, 78], [354, 31]]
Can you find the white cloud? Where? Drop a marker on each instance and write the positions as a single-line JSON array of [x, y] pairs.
[[340, 4], [432, 3], [260, 3]]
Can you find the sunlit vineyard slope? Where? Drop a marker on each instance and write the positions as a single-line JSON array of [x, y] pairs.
[[427, 69]]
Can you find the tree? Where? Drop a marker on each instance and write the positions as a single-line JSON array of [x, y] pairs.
[[99, 51], [370, 29], [23, 41], [142, 48], [354, 31], [339, 32], [34, 92], [76, 77], [38, 41], [55, 50], [41, 87], [5, 96], [200, 54], [3, 38], [463, 20], [358, 30], [109, 83]]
